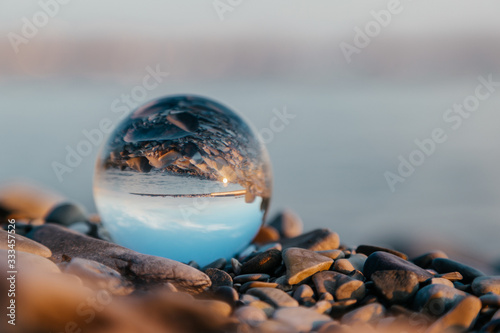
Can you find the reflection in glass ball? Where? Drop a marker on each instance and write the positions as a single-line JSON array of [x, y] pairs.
[[185, 178]]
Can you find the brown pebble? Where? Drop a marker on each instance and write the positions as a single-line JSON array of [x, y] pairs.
[[266, 234]]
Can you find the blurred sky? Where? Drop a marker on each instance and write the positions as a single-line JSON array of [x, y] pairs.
[[353, 119]]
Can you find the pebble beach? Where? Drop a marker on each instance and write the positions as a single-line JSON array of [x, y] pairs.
[[71, 278]]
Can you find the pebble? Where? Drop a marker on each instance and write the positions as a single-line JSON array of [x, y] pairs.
[[491, 300], [425, 260], [486, 284], [383, 261], [141, 268], [265, 262], [396, 286], [316, 240], [273, 326], [266, 235], [332, 254], [277, 298], [23, 244], [250, 315], [288, 224], [436, 299], [226, 294], [251, 277], [452, 276], [443, 265], [257, 284], [339, 285], [343, 266], [323, 307], [301, 318], [365, 314], [357, 261], [139, 163], [218, 264], [302, 292], [341, 306], [369, 249], [247, 252], [66, 214], [236, 266], [219, 278], [357, 275], [442, 281], [459, 318], [98, 276], [301, 264]]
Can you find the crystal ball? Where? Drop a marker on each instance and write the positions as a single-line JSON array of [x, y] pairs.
[[183, 177]]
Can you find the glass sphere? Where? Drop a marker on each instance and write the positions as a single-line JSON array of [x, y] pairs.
[[183, 177]]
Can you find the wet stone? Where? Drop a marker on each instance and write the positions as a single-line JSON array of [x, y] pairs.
[[486, 284], [266, 262], [301, 264], [370, 249], [383, 261], [339, 285], [396, 286], [288, 224], [301, 318], [219, 278], [316, 240], [275, 297], [251, 277], [442, 265]]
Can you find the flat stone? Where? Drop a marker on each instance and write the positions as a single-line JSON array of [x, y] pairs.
[[277, 298], [288, 224], [266, 262], [486, 284], [383, 261], [442, 281], [459, 318], [23, 244], [425, 260], [257, 284], [332, 254], [66, 214], [316, 240], [301, 264], [396, 286], [343, 266], [490, 300], [436, 299], [266, 235], [442, 265], [140, 268], [250, 315], [369, 249], [452, 276], [219, 278], [251, 277], [98, 276], [301, 318], [339, 285], [366, 314]]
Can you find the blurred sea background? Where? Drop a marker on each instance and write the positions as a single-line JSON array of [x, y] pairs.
[[352, 120]]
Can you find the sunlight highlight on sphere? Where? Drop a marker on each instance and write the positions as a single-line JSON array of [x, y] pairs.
[[183, 177]]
